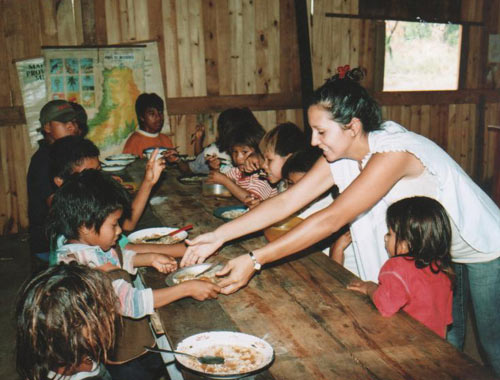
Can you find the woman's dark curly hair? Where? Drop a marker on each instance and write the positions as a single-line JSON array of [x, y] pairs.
[[65, 316], [424, 225], [86, 199], [344, 98]]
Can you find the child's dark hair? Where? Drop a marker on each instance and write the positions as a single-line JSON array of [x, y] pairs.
[[424, 225], [145, 101], [68, 152], [65, 316], [344, 98], [232, 120], [86, 199], [301, 161], [248, 134], [284, 139]]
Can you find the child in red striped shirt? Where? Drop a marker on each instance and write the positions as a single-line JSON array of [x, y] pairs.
[[244, 142]]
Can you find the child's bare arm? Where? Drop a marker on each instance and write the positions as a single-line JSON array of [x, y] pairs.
[[365, 287], [237, 191], [199, 290], [173, 250], [338, 247], [162, 263], [154, 168]]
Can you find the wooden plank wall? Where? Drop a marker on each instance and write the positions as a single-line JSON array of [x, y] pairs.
[[336, 41], [216, 54], [208, 49]]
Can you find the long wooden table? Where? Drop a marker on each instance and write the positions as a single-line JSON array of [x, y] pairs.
[[318, 328]]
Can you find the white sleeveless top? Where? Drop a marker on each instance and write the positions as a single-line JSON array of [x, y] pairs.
[[443, 180]]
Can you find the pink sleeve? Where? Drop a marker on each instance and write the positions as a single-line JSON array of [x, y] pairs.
[[392, 293], [233, 174]]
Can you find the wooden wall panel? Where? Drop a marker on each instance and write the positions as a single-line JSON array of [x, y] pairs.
[[184, 125]]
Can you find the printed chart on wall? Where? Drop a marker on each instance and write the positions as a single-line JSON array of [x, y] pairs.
[[106, 81]]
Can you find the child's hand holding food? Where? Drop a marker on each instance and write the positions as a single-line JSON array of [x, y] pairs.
[[163, 263], [213, 162], [201, 290]]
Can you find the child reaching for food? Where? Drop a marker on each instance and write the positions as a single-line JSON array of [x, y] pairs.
[[418, 276], [65, 324], [244, 142], [73, 154], [84, 219]]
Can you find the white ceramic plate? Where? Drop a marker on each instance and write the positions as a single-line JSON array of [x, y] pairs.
[[187, 273], [137, 236], [121, 157], [113, 168], [244, 354]]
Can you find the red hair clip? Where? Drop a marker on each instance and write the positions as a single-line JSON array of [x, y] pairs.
[[342, 70]]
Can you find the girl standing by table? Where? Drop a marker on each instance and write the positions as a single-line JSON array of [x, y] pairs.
[[375, 164]]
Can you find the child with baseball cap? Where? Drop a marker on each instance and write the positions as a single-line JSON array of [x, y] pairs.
[[57, 119]]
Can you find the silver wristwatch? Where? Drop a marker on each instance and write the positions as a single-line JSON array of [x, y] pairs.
[[256, 265]]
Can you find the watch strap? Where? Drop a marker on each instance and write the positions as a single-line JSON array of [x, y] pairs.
[[256, 265]]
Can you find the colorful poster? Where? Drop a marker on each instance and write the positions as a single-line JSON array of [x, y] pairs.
[[31, 73], [106, 81]]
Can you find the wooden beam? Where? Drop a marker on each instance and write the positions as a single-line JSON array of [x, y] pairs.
[[10, 116], [436, 97], [410, 19], [306, 74], [206, 104]]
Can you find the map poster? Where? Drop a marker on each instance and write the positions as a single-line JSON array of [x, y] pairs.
[[31, 73]]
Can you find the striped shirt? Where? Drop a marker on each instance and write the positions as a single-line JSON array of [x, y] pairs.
[[260, 188], [135, 303]]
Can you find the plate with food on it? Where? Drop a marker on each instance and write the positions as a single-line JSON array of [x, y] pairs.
[[120, 159], [191, 179], [112, 167], [244, 355], [148, 152], [186, 158], [228, 213], [156, 235], [203, 272]]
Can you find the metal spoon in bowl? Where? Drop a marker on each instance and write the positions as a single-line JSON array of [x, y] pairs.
[[207, 359]]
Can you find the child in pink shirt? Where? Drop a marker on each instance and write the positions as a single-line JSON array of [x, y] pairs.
[[417, 276], [243, 143]]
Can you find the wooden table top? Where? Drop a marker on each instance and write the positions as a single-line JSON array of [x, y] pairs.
[[318, 328]]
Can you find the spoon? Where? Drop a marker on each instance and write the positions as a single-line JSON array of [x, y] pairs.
[[207, 359]]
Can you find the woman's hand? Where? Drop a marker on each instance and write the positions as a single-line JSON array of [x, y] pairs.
[[200, 248], [154, 167], [163, 263], [252, 163], [216, 177], [240, 272]]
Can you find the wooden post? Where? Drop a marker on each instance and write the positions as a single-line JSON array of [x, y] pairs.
[[306, 78]]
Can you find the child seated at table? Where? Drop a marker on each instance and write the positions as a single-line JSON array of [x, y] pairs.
[[149, 110], [74, 154], [418, 276], [84, 220], [276, 146], [65, 324], [215, 156], [293, 170], [243, 143]]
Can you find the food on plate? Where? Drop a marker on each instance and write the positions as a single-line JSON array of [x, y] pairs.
[[150, 239], [233, 214], [193, 178], [210, 277], [237, 359]]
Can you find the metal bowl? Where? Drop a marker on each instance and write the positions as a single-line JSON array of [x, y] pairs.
[[215, 190]]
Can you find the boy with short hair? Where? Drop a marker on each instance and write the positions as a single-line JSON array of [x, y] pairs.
[[149, 110], [57, 119]]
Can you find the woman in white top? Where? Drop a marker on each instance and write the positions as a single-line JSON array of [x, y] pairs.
[[375, 164]]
